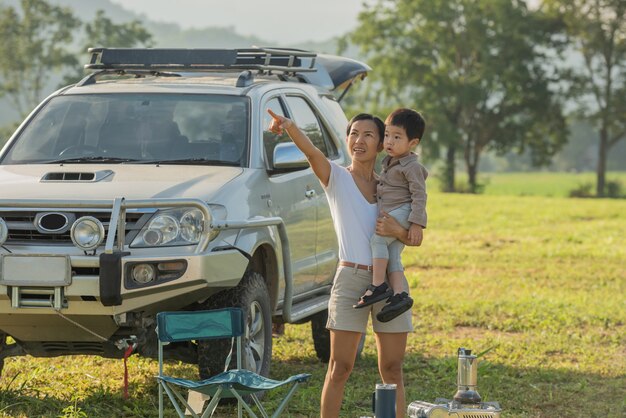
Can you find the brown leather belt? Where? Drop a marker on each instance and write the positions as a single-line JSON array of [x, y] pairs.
[[354, 265]]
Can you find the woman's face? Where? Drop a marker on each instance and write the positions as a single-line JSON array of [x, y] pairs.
[[364, 141]]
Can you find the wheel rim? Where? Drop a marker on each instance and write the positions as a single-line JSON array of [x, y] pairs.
[[254, 348]]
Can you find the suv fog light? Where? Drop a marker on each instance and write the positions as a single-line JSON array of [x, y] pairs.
[[4, 231], [87, 233], [143, 273]]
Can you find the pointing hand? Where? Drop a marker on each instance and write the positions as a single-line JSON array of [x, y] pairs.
[[279, 123]]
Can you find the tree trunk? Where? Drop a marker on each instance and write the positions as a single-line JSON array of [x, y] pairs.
[[450, 169], [472, 157], [603, 149], [471, 176]]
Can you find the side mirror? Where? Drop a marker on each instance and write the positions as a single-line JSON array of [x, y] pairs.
[[287, 156]]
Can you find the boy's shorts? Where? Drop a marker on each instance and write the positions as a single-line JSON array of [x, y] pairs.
[[348, 286], [389, 247]]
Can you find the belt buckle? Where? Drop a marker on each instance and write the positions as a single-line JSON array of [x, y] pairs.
[[367, 268]]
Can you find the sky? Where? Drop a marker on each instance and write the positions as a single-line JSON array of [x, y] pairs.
[[272, 20]]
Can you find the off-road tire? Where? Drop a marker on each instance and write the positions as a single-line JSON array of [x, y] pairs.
[[252, 296], [321, 337]]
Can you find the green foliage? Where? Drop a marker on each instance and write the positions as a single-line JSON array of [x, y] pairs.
[[539, 280], [597, 32], [6, 132], [72, 411], [614, 189], [34, 44], [477, 68], [103, 32], [582, 190], [35, 48]]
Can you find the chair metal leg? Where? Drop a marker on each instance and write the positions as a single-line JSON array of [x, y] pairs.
[[174, 395], [245, 405], [210, 408], [183, 401], [160, 399], [258, 405], [283, 404]]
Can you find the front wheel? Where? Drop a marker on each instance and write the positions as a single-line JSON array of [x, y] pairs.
[[252, 296]]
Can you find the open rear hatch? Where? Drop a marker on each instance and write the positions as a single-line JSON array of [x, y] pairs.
[[336, 73]]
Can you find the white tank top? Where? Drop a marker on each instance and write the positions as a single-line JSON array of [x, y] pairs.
[[354, 217]]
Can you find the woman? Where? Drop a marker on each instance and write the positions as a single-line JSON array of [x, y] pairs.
[[351, 193]]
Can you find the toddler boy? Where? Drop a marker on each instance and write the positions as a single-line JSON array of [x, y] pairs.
[[401, 193]]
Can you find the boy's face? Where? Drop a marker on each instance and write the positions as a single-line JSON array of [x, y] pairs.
[[397, 143]]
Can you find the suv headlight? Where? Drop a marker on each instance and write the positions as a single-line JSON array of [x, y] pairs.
[[179, 226]]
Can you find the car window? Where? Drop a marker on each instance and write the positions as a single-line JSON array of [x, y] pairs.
[[305, 118], [142, 127], [338, 119], [270, 139]]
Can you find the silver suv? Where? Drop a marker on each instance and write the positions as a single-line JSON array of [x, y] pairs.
[[153, 184]]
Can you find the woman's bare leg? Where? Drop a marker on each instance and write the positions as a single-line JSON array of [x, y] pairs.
[[343, 347], [391, 348]]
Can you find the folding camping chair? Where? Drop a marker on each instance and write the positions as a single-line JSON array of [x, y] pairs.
[[234, 383]]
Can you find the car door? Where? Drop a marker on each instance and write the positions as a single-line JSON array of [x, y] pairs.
[[292, 197], [326, 249]]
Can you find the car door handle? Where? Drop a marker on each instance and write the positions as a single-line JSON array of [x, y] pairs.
[[310, 193]]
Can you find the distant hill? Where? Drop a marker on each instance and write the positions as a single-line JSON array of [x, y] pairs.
[[171, 35]]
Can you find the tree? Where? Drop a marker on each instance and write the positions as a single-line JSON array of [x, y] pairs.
[[476, 68], [597, 31], [103, 32], [34, 44]]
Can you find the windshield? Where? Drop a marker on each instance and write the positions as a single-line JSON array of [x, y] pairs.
[[136, 128]]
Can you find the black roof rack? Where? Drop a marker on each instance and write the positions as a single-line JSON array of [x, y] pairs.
[[327, 71], [160, 59]]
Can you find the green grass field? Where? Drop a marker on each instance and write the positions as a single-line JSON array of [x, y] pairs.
[[542, 183], [539, 282]]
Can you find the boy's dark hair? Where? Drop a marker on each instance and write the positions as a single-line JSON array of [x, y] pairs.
[[380, 125], [409, 119]]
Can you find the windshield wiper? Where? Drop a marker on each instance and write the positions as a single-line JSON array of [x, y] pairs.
[[91, 159], [191, 161]]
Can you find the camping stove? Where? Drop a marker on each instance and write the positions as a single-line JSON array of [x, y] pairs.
[[466, 402]]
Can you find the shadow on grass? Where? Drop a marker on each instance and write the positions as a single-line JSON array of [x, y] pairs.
[[522, 392]]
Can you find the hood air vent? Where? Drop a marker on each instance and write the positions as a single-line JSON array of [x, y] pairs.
[[76, 177]]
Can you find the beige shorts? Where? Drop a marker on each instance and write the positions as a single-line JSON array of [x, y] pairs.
[[348, 286]]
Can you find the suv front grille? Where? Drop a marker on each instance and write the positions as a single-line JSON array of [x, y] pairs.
[[22, 229]]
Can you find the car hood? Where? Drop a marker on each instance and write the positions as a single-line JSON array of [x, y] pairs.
[[97, 182]]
